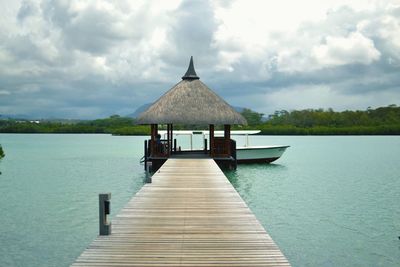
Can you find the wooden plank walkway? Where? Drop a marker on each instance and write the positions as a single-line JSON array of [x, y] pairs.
[[190, 215]]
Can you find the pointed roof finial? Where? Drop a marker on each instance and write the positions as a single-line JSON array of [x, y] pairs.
[[190, 73]]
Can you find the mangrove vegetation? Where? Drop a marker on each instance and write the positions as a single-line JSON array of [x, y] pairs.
[[379, 121]]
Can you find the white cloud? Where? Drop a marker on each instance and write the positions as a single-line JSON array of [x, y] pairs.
[[300, 36], [352, 49], [226, 60], [386, 29]]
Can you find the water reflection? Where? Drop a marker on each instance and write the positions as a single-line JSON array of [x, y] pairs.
[[253, 181], [255, 169], [262, 166]]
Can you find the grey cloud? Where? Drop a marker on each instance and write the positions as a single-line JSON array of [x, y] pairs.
[[27, 9], [90, 30], [191, 33], [91, 63], [57, 12], [24, 48]]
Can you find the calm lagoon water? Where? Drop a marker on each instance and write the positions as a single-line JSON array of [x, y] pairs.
[[329, 201]]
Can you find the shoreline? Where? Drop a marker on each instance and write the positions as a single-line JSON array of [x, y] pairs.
[[69, 133]]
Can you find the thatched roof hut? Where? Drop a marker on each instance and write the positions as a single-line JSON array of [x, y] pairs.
[[190, 102]]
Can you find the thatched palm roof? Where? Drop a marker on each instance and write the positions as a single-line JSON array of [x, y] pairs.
[[190, 102]]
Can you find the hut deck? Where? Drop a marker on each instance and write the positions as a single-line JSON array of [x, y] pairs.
[[190, 215], [191, 155]]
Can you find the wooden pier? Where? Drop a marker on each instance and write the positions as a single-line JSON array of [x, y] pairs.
[[190, 215]]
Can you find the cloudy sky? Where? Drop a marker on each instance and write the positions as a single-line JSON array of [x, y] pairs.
[[90, 59]]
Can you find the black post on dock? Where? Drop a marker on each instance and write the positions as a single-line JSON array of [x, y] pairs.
[[205, 145], [233, 153], [175, 145], [145, 154], [104, 211]]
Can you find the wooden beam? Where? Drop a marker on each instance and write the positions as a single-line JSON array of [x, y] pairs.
[[227, 135], [169, 138], [227, 131], [168, 135], [211, 128], [153, 139], [172, 139]]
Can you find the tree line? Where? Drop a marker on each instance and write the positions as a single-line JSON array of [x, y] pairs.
[[379, 121], [112, 125]]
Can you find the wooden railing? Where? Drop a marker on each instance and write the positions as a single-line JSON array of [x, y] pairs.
[[223, 148], [162, 149]]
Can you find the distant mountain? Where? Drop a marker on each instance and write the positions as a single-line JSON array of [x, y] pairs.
[[24, 117], [16, 117], [139, 110], [146, 106], [238, 109]]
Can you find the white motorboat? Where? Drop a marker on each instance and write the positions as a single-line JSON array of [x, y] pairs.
[[259, 154], [244, 154]]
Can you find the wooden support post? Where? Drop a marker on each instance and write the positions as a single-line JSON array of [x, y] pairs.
[[171, 139], [227, 136], [153, 139], [155, 134], [211, 127], [233, 153], [168, 134], [227, 131], [175, 145], [145, 154], [104, 211]]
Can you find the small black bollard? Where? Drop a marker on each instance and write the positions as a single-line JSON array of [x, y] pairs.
[[104, 211]]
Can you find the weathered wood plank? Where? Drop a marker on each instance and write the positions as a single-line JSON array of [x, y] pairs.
[[190, 215]]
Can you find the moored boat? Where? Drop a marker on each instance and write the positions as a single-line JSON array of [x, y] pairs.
[[259, 154], [244, 154]]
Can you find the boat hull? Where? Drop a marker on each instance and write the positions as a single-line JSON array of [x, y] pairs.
[[259, 154]]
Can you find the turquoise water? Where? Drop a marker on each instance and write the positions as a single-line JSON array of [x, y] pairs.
[[329, 201], [49, 193]]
